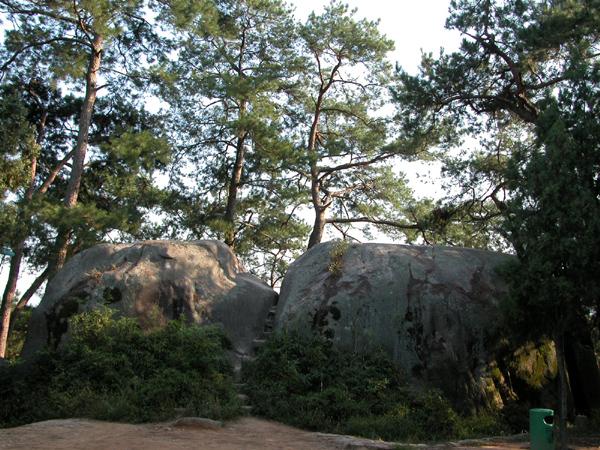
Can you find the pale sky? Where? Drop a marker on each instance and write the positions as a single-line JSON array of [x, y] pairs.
[[414, 25]]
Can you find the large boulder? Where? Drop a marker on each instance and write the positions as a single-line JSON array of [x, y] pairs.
[[434, 310], [156, 281]]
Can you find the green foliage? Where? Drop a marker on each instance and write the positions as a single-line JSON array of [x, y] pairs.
[[554, 215], [118, 189], [18, 333], [54, 38], [343, 143], [17, 142], [307, 383], [111, 370], [311, 385], [235, 62], [336, 256], [423, 417], [486, 98]]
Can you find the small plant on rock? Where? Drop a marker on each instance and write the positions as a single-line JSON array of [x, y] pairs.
[[336, 262]]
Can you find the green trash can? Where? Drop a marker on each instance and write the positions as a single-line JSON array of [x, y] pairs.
[[540, 430]]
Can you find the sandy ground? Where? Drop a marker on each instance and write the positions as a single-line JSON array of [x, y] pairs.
[[245, 434]]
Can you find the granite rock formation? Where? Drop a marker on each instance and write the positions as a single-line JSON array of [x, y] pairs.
[[155, 281], [434, 310]]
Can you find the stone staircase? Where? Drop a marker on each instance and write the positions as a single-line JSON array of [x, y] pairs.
[[267, 329], [257, 343]]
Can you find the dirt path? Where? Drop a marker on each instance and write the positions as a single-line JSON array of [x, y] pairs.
[[245, 434], [71, 434]]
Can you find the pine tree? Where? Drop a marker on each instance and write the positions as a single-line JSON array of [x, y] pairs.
[[342, 136], [553, 220], [513, 53], [62, 43], [228, 89]]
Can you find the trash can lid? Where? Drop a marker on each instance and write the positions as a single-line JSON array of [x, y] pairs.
[[549, 412]]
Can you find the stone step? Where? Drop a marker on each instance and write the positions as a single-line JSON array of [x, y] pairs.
[[240, 386], [247, 409], [243, 398], [258, 343], [198, 422]]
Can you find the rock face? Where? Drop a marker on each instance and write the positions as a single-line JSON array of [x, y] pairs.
[[434, 310], [156, 281]]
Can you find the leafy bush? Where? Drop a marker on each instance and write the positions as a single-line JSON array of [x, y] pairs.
[[424, 416], [485, 424], [306, 382], [18, 331], [111, 370]]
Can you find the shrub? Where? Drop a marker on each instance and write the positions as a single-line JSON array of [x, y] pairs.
[[424, 416], [18, 331], [306, 382], [484, 424], [111, 370]]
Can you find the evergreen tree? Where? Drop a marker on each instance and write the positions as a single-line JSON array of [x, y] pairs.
[[116, 193], [228, 90], [69, 40], [52, 43], [553, 221], [342, 136], [492, 90]]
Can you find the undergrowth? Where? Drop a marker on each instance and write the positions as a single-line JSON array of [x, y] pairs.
[[111, 370], [305, 382]]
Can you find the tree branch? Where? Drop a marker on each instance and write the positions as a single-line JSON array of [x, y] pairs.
[[32, 289], [391, 223], [16, 54], [329, 170], [14, 9], [54, 173]]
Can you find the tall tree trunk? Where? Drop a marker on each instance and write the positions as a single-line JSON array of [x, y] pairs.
[[33, 288], [315, 189], [8, 297], [235, 183], [318, 226], [559, 341], [85, 120]]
